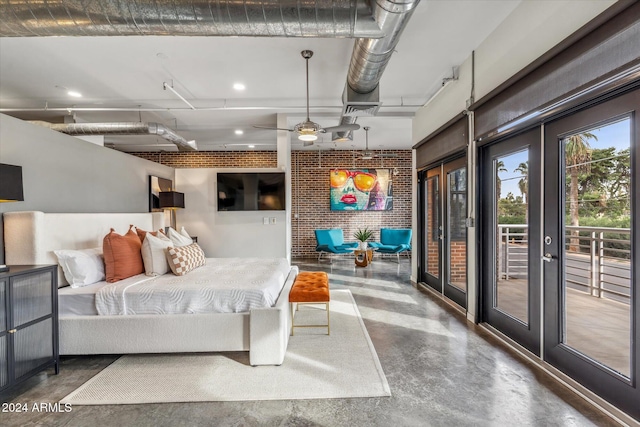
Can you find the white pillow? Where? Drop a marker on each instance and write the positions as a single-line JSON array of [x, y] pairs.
[[153, 257], [82, 267], [178, 239], [184, 233]]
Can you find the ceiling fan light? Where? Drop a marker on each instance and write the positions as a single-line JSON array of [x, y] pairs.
[[307, 135]]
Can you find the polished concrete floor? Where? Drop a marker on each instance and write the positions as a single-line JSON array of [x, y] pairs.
[[599, 328], [442, 371]]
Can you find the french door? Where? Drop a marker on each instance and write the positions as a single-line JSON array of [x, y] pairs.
[[443, 229], [510, 266], [590, 248]]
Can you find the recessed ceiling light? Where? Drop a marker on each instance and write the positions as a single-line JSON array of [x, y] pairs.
[[239, 132], [252, 146], [74, 94], [238, 86]]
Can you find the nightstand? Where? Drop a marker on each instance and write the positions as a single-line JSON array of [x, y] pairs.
[[28, 322]]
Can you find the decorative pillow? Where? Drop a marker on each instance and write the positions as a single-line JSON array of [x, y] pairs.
[[122, 256], [142, 233], [178, 239], [184, 233], [183, 259], [82, 267], [153, 257]]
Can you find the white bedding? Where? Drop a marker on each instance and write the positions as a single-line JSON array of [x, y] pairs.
[[223, 285]]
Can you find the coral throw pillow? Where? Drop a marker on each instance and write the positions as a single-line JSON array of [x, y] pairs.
[[122, 257]]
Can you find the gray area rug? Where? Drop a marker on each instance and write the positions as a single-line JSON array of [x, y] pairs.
[[316, 366]]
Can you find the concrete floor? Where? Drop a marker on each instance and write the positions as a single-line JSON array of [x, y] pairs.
[[442, 371]]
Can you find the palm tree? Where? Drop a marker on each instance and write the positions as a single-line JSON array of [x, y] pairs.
[[523, 185], [577, 152], [523, 182], [499, 168]]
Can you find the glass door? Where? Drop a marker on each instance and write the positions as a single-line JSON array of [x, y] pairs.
[[431, 236], [443, 236], [591, 273], [455, 231], [510, 210]]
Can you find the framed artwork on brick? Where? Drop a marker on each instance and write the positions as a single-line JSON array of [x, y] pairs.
[[361, 189], [156, 185]]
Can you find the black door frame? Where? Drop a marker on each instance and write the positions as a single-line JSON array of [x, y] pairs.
[[439, 284], [450, 291], [425, 277], [526, 334], [612, 386]]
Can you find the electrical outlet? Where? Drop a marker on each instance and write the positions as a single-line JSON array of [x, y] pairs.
[[265, 220], [272, 220]]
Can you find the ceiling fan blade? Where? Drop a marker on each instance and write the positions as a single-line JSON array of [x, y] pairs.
[[387, 155], [307, 143], [341, 128], [271, 128]]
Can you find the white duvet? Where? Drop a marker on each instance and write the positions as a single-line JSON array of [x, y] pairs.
[[223, 285]]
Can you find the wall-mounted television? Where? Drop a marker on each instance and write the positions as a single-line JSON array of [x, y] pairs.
[[251, 191]]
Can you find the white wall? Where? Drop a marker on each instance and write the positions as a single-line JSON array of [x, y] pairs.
[[65, 174], [227, 234], [532, 29]]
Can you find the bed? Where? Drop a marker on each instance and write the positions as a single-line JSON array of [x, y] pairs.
[[31, 237]]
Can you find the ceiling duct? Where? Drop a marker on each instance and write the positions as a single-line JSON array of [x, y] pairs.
[[121, 128], [377, 26], [286, 18], [369, 59]]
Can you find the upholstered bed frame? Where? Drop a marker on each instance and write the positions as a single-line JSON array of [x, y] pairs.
[[31, 237]]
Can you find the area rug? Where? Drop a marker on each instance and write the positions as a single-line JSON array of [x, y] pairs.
[[316, 366]]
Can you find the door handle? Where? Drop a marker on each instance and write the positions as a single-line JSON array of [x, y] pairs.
[[548, 257]]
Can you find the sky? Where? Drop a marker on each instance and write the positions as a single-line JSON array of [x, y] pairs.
[[617, 134]]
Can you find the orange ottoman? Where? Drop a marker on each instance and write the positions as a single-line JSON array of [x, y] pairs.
[[310, 287]]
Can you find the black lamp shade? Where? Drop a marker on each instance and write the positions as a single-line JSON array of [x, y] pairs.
[[171, 200], [11, 183]]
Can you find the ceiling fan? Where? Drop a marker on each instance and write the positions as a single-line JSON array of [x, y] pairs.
[[367, 154], [308, 131]]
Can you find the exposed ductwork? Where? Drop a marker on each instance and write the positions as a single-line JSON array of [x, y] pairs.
[[122, 128], [377, 27], [287, 18], [369, 59]]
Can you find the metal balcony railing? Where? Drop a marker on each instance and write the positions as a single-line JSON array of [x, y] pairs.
[[597, 259]]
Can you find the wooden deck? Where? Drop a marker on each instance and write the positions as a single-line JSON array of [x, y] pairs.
[[597, 327]]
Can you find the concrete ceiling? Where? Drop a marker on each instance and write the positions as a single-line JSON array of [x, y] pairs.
[[126, 74]]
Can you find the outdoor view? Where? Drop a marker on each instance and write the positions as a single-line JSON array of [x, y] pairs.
[[597, 276], [511, 189]]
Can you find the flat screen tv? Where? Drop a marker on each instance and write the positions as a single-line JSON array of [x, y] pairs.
[[251, 191]]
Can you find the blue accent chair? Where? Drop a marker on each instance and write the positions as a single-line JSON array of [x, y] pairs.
[[332, 241], [393, 241]]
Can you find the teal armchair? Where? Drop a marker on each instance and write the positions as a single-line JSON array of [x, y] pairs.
[[332, 241], [393, 241]]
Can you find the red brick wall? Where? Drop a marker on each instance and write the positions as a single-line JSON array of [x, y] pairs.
[[458, 263], [213, 159], [310, 188], [311, 203]]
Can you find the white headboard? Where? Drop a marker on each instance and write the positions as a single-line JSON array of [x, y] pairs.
[[30, 237]]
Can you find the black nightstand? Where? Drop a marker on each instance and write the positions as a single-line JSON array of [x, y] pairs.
[[28, 322]]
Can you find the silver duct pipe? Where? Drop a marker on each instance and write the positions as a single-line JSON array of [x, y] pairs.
[[286, 18], [370, 57], [377, 32], [122, 128]]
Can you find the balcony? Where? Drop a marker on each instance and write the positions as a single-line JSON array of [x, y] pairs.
[[597, 277]]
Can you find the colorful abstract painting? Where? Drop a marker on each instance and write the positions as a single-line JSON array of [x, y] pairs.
[[361, 190]]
